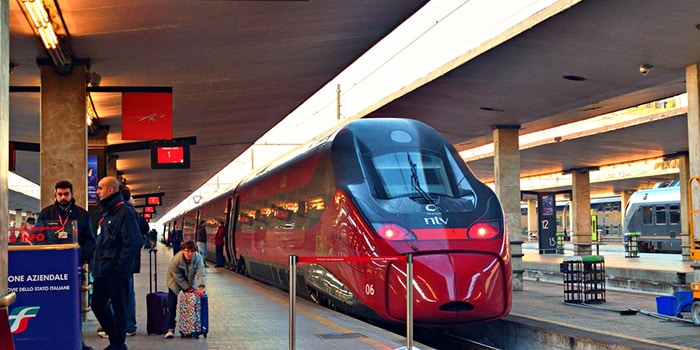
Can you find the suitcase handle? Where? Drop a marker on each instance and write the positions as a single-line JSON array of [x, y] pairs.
[[154, 275]]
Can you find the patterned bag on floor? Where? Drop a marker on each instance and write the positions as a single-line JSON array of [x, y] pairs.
[[189, 321]]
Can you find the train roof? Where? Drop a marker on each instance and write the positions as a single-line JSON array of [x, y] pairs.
[[659, 193]]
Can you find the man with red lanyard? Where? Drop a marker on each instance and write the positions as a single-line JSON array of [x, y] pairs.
[[65, 210], [118, 244]]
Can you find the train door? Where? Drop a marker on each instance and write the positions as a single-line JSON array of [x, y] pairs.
[[229, 238]]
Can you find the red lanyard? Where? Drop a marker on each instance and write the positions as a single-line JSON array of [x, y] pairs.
[[114, 206], [61, 221]]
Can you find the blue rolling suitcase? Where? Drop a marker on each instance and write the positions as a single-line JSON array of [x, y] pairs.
[[156, 302], [194, 315]]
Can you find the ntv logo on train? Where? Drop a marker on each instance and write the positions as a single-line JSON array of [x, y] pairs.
[[434, 220]]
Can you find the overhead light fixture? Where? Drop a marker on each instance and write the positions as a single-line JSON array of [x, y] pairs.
[[47, 23]]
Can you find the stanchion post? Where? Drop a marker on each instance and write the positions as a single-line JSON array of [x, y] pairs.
[[409, 301], [292, 300]]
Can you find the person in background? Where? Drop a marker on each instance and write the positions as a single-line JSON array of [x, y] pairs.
[[25, 235], [219, 243], [185, 274], [118, 246], [176, 239], [64, 210], [201, 238]]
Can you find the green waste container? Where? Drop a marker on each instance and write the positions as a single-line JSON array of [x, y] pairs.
[[560, 243], [631, 244]]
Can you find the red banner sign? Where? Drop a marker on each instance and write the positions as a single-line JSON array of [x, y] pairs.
[[147, 116]]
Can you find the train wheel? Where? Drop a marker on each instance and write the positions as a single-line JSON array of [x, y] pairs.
[[696, 313]]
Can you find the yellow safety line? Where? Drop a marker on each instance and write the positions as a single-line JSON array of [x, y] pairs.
[[642, 340]]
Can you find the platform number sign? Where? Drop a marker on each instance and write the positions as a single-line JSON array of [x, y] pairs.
[[547, 216]]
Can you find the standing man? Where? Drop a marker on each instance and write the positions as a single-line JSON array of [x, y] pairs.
[[202, 240], [176, 239], [143, 231], [118, 245], [219, 242], [65, 210]]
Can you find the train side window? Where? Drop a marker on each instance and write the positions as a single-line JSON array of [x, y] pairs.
[[674, 214], [616, 207], [660, 213], [647, 216]]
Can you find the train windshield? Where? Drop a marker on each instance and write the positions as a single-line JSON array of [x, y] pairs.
[[419, 174]]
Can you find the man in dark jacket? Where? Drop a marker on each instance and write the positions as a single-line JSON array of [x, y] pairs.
[[118, 246], [143, 231], [63, 211]]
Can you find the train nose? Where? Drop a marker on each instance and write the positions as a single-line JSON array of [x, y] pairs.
[[451, 288]]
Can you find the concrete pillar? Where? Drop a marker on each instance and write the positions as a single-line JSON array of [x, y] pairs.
[[692, 85], [624, 199], [4, 142], [581, 212], [63, 133], [683, 177], [531, 217], [507, 180]]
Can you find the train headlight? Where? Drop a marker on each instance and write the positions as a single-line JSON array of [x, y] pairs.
[[484, 230], [393, 232]]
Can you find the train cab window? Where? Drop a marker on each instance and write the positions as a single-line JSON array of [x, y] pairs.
[[402, 172], [647, 215], [674, 214], [660, 213]]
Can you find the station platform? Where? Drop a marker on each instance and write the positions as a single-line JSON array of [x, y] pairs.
[[245, 314], [540, 313]]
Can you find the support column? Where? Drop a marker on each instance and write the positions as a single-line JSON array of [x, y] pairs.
[[581, 211], [531, 217], [507, 179], [624, 199], [692, 85], [4, 142], [63, 133], [683, 177]]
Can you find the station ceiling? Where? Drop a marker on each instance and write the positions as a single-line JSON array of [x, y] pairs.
[[238, 67]]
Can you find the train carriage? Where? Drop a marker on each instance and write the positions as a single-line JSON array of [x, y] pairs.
[[377, 188]]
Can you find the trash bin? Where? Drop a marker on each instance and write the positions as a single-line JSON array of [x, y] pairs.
[[666, 305], [593, 279], [560, 243], [631, 244], [572, 274]]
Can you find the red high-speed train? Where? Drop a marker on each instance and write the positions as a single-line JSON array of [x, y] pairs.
[[379, 187]]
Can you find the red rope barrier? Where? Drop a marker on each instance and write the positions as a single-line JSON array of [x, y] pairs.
[[316, 259]]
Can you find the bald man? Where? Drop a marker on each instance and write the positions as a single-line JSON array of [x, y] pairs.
[[118, 244]]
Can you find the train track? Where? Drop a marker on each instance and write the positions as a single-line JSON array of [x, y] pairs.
[[447, 340]]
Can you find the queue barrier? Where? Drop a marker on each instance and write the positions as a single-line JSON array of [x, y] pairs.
[[294, 259], [43, 272]]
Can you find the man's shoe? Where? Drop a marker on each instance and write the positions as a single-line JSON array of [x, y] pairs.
[[102, 334], [218, 265], [170, 334], [131, 334]]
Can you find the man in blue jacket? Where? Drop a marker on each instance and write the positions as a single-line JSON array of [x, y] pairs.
[[118, 245]]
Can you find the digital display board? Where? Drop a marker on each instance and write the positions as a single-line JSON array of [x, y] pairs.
[[170, 155], [153, 200], [149, 209]]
